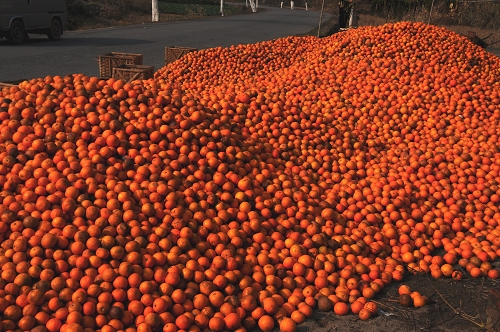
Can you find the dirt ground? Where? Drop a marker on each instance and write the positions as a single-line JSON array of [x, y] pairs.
[[468, 305]]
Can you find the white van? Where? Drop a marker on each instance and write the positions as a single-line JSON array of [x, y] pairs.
[[20, 17]]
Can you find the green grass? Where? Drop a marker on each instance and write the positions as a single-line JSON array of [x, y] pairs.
[[197, 9]]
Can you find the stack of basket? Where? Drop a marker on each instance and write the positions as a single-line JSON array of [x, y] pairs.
[[124, 66], [128, 66]]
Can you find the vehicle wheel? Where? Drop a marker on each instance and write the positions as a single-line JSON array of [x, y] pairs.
[[16, 33], [55, 30]]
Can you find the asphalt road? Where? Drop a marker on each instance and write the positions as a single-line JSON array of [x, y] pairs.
[[77, 51]]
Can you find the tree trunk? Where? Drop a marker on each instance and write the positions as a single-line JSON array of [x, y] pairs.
[[154, 11], [351, 15], [253, 5]]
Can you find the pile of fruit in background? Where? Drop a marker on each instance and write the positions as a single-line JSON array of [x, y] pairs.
[[243, 188]]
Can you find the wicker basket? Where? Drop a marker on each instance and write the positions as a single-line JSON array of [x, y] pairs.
[[130, 73], [174, 53], [111, 60]]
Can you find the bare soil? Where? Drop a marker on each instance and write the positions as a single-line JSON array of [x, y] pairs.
[[468, 305]]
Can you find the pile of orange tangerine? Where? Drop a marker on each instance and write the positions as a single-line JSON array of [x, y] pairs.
[[244, 187]]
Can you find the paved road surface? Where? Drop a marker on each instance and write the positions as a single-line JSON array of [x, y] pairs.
[[495, 51], [77, 51]]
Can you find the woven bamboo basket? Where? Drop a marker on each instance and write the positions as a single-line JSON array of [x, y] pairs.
[[131, 73], [111, 60], [174, 53]]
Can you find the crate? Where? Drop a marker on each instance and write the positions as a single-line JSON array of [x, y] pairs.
[[174, 53], [111, 60], [130, 73]]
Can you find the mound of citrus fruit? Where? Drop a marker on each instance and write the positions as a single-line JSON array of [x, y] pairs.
[[244, 187]]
